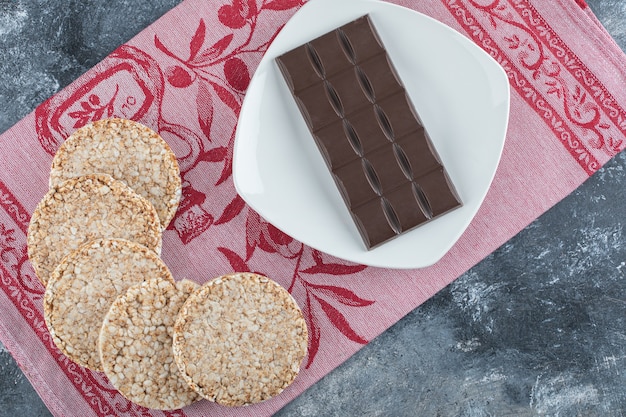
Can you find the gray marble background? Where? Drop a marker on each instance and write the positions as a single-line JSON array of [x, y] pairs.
[[536, 329]]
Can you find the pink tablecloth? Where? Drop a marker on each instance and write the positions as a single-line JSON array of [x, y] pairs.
[[186, 76]]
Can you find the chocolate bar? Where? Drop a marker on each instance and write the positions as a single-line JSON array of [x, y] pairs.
[[368, 132]]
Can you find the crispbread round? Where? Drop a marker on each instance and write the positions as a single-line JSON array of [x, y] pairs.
[[240, 339], [83, 286], [86, 208], [128, 151], [136, 344]]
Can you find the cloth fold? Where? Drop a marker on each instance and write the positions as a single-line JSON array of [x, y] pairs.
[[186, 75]]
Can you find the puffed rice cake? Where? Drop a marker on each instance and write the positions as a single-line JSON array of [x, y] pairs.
[[85, 208], [136, 344], [240, 339], [83, 287], [128, 151]]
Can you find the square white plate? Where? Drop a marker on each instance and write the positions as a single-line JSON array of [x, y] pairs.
[[460, 92]]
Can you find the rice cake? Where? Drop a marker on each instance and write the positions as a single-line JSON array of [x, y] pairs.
[[86, 208], [128, 151], [83, 287], [136, 344], [240, 339]]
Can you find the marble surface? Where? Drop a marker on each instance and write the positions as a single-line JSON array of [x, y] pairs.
[[536, 329]]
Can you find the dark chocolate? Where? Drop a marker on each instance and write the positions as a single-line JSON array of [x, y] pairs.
[[368, 132]]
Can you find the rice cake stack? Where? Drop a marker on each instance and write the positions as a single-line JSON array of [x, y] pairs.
[[111, 303]]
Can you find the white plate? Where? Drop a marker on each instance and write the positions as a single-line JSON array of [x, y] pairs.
[[460, 92]]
